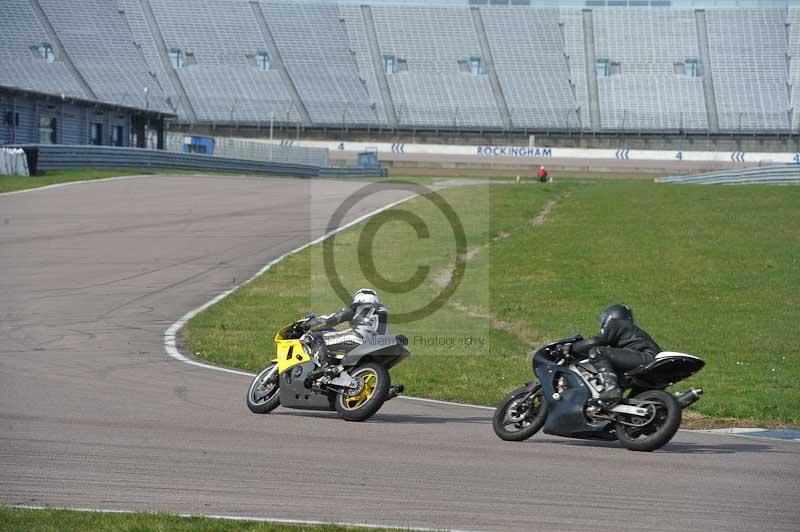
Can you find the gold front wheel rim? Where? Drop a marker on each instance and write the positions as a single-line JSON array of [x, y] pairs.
[[357, 401]]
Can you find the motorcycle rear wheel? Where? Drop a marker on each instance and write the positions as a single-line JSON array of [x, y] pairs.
[[518, 418], [364, 405], [657, 432], [263, 396]]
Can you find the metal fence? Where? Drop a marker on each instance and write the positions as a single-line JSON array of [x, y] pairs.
[[768, 175], [55, 156], [255, 150]]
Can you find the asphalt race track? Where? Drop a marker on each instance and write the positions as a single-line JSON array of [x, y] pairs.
[[94, 414]]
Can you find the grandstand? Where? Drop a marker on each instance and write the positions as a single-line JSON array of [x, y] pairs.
[[794, 65], [426, 53], [524, 41], [464, 66], [649, 91], [750, 57]]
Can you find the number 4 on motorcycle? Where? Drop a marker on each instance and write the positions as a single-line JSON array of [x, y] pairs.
[[357, 392]]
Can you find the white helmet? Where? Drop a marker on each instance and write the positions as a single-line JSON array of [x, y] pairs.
[[365, 296]]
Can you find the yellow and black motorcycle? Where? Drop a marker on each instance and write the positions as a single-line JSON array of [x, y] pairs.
[[356, 393]]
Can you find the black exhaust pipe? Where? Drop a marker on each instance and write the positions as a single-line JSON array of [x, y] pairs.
[[394, 391], [687, 398]]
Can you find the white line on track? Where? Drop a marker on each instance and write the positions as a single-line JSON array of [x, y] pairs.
[[246, 518], [449, 403], [71, 183]]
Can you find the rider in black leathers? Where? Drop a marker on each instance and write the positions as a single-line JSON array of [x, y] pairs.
[[620, 346], [365, 316]]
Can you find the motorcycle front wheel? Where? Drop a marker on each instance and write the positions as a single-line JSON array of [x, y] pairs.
[[263, 396], [521, 414], [375, 381], [665, 419]]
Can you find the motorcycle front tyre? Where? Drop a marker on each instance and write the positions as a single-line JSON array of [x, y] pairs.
[[507, 428], [263, 396]]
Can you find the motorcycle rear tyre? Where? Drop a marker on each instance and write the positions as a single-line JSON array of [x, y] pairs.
[[372, 404], [668, 426]]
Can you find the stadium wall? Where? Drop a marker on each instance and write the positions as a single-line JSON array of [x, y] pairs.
[[783, 142], [38, 118]]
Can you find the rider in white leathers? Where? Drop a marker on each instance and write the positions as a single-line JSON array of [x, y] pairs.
[[365, 316]]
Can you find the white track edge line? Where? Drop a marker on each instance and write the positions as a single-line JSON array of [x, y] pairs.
[[71, 183], [439, 402], [119, 178], [240, 518]]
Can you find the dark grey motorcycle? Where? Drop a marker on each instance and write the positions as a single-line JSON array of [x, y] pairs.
[[561, 401]]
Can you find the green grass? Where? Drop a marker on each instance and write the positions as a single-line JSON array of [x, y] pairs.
[[712, 271], [24, 520]]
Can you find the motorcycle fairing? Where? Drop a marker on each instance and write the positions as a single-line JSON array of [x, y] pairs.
[[667, 369], [294, 394], [388, 349], [289, 349], [290, 353], [565, 416]]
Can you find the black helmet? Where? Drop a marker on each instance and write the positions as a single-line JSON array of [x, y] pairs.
[[618, 312]]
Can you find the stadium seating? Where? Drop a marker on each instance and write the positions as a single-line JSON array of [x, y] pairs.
[[143, 41], [748, 57], [358, 46], [572, 30], [529, 56], [315, 48], [648, 93], [353, 20], [108, 62], [219, 42], [434, 91], [794, 62], [326, 63], [20, 66]]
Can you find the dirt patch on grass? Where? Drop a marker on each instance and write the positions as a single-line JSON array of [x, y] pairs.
[[542, 216], [519, 330]]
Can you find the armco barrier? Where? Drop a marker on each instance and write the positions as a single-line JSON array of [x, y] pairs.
[[55, 156], [346, 171], [768, 175]]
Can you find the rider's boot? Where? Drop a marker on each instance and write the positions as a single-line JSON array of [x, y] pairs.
[[612, 393], [324, 368]]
